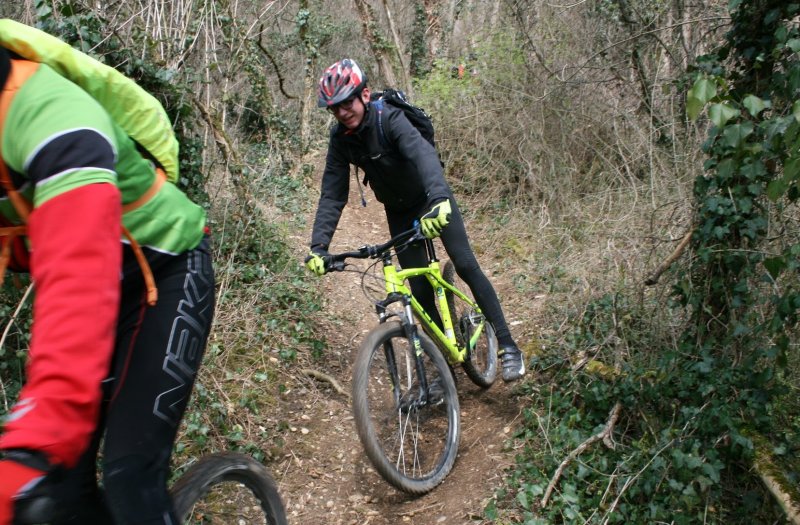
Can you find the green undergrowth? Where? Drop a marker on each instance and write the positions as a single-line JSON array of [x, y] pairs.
[[681, 452], [15, 318], [267, 306], [703, 382], [264, 320]]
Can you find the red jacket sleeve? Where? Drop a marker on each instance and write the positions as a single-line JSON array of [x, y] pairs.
[[75, 265]]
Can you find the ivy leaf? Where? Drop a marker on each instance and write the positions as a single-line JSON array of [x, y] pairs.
[[726, 169], [771, 16], [796, 110], [720, 114], [693, 106], [491, 511], [43, 10], [735, 135], [775, 265], [776, 189], [782, 35], [702, 91], [794, 44], [791, 169], [522, 499], [755, 105], [711, 471]]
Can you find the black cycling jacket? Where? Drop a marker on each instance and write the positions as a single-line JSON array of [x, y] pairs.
[[404, 170]]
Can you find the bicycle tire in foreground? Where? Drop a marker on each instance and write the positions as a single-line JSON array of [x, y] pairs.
[[228, 488], [411, 441]]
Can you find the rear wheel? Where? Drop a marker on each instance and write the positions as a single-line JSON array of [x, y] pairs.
[[230, 489], [411, 437], [481, 361]]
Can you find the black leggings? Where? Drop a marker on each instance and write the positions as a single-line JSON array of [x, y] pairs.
[[158, 352], [456, 244]]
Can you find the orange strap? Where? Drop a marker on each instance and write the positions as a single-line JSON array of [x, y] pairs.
[[160, 179], [147, 273], [21, 70]]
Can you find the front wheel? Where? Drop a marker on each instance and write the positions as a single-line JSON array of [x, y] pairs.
[[411, 436], [481, 361], [227, 488]]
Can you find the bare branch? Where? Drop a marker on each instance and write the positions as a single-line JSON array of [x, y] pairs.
[[316, 374], [276, 68], [605, 435], [653, 279]]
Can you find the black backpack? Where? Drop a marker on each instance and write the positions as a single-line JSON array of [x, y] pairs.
[[417, 116]]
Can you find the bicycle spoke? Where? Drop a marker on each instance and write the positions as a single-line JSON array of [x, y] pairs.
[[404, 436], [410, 436]]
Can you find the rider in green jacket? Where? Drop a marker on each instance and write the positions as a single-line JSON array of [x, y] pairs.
[[108, 362]]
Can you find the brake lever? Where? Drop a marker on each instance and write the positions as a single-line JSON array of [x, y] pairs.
[[335, 266]]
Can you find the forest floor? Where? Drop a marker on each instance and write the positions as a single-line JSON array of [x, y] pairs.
[[325, 477]]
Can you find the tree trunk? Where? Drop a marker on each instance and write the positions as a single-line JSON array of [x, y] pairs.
[[398, 45], [774, 478], [638, 64], [419, 66], [434, 28], [374, 38], [307, 98], [494, 19], [447, 30], [468, 23]]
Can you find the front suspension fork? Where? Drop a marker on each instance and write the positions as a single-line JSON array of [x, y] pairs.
[[410, 331]]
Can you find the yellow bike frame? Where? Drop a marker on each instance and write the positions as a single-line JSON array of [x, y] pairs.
[[446, 340]]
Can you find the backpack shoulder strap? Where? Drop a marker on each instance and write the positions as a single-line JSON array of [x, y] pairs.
[[21, 71], [378, 105]]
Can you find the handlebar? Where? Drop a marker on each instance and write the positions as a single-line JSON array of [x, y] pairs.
[[336, 262]]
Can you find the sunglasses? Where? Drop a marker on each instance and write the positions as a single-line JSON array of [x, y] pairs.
[[345, 104]]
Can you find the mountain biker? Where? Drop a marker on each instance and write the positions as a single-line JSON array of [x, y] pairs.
[[407, 178], [102, 363]]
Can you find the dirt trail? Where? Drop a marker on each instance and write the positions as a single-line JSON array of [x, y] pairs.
[[325, 477]]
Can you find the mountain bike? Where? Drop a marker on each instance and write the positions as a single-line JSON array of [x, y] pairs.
[[223, 488], [405, 403]]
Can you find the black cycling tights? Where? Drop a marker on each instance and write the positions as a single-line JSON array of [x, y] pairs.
[[158, 352], [456, 244]]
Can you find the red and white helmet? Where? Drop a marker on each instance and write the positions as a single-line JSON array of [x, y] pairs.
[[339, 82]]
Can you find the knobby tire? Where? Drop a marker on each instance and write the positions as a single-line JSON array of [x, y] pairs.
[[413, 446], [215, 472]]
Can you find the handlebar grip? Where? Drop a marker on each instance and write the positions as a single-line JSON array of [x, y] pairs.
[[334, 266]]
